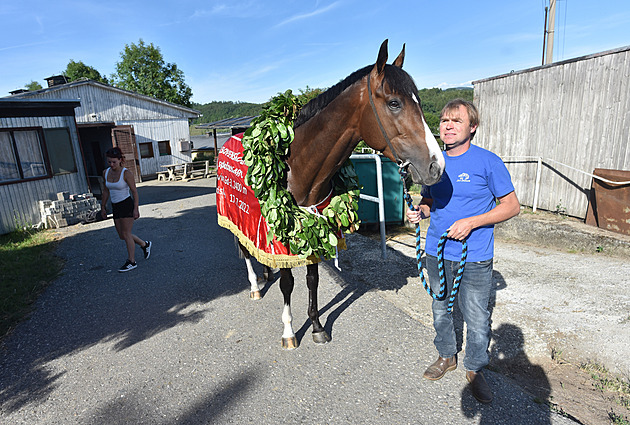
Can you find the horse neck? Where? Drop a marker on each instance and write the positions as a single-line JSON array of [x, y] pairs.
[[321, 146]]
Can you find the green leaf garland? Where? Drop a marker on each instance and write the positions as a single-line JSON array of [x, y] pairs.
[[266, 147]]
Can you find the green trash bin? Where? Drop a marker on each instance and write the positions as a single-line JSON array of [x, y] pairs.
[[365, 168]]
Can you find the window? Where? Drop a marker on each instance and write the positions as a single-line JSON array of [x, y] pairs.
[[21, 155], [165, 147], [60, 153], [146, 150]]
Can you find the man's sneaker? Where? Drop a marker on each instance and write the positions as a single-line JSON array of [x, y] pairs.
[[147, 250], [127, 266]]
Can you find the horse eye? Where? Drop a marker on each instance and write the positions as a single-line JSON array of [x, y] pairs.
[[393, 104]]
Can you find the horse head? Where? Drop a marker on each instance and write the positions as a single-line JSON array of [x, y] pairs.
[[395, 124]]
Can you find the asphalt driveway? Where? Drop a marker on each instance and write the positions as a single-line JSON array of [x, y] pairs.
[[178, 341]]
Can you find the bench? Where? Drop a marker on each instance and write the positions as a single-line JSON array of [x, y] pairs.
[[162, 175], [198, 169]]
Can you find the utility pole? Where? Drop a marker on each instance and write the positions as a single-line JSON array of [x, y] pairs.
[[544, 35], [550, 31]]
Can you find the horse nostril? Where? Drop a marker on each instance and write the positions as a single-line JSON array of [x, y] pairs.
[[435, 170]]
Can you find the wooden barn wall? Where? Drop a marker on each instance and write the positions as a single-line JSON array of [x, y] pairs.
[[576, 113], [19, 202]]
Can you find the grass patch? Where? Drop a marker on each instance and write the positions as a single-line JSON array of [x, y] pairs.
[[605, 381], [27, 266]]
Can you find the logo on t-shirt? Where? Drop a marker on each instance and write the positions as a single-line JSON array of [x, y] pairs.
[[463, 177]]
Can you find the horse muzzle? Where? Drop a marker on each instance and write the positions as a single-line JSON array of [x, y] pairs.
[[427, 174]]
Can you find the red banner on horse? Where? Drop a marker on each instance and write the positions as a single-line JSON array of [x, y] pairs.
[[239, 210]]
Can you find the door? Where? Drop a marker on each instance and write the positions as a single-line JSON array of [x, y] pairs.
[[124, 137]]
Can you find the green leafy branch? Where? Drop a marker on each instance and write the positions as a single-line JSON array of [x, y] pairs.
[[266, 147]]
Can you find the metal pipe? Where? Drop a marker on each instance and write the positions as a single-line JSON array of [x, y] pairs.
[[380, 199]]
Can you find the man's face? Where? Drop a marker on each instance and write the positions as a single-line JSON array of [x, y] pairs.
[[455, 128]]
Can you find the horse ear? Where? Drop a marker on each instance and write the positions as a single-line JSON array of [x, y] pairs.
[[382, 57], [400, 59]]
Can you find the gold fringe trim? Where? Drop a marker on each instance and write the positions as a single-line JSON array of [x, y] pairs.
[[281, 261]]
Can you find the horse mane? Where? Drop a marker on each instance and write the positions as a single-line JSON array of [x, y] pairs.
[[399, 81]]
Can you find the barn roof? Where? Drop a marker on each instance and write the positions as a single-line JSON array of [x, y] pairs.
[[228, 123], [10, 107], [66, 86]]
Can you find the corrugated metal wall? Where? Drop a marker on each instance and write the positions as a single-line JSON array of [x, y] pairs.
[[575, 112], [19, 202]]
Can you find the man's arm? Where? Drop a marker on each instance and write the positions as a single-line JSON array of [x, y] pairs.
[[507, 208]]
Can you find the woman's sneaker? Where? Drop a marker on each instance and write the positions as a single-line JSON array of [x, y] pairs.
[[147, 250], [127, 266]]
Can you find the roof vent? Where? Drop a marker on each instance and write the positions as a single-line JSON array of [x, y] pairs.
[[18, 91], [56, 80]]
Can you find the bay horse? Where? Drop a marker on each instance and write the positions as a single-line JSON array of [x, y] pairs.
[[377, 104]]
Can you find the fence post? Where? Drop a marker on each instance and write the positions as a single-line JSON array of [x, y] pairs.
[[537, 188]]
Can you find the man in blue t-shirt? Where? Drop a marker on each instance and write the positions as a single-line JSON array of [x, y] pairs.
[[474, 193]]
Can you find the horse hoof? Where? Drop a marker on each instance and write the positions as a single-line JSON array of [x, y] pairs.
[[321, 337], [255, 295], [289, 343]]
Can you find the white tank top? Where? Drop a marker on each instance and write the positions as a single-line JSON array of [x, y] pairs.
[[118, 191]]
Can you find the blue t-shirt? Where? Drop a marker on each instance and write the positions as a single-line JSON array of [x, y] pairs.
[[469, 186]]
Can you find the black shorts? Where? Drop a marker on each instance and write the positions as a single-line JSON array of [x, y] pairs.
[[123, 209]]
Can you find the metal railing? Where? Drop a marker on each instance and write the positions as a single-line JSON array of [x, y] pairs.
[[539, 160], [378, 199]]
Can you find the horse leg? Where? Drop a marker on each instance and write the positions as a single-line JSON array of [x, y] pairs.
[[289, 341], [320, 336], [267, 273], [254, 292]]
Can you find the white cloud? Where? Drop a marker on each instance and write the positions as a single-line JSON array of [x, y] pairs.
[[308, 15]]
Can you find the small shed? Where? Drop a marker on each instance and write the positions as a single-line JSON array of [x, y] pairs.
[[40, 156], [235, 125], [151, 132]]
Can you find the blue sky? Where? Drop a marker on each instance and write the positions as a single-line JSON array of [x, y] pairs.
[[248, 51]]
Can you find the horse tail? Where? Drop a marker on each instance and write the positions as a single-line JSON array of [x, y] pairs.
[[243, 254]]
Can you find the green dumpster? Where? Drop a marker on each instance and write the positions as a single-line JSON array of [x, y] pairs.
[[365, 167]]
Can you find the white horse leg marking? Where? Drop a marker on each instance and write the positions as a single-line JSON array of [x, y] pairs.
[[287, 319], [254, 292], [289, 341]]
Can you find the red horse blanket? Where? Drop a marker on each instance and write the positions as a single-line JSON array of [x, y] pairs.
[[239, 211]]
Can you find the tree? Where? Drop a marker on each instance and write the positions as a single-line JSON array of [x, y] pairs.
[[78, 70], [33, 85], [142, 69], [308, 94]]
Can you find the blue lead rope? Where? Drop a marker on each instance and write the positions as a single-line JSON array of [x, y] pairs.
[[440, 258]]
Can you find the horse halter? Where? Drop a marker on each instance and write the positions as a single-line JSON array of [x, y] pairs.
[[401, 165]]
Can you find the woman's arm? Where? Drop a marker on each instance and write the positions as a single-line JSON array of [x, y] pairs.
[[104, 198], [134, 193]]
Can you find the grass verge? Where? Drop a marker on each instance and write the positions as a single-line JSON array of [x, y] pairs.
[[27, 265]]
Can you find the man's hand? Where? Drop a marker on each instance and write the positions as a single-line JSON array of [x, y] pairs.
[[461, 229], [420, 213]]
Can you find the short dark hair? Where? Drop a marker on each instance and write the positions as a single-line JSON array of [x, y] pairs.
[[114, 153], [473, 114]]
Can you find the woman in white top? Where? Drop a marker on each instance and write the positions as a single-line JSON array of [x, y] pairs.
[[121, 188]]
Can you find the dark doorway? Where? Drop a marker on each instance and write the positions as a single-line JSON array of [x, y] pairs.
[[95, 140]]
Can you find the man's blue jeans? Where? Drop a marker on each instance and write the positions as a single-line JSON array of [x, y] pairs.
[[472, 298]]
